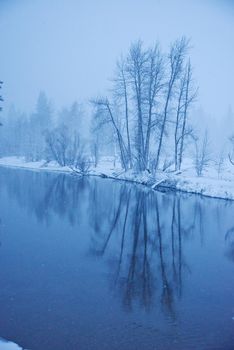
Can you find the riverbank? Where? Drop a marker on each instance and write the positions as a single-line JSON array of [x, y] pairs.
[[211, 184], [8, 345]]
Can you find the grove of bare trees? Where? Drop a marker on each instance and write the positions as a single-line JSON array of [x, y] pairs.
[[149, 105], [144, 122]]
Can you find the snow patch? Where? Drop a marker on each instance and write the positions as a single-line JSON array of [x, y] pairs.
[[8, 345]]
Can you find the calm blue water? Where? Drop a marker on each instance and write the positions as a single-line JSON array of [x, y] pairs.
[[89, 263]]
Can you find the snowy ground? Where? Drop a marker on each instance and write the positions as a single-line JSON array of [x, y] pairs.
[[8, 345], [210, 184]]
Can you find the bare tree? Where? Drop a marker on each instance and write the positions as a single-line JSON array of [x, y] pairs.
[[176, 58], [136, 67], [57, 141], [122, 93], [190, 95], [202, 154], [95, 145], [107, 115], [145, 90], [230, 155], [143, 71], [177, 136], [66, 148], [95, 138], [186, 96], [219, 162], [155, 75]]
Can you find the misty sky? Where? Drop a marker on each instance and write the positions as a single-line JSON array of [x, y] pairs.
[[69, 47]]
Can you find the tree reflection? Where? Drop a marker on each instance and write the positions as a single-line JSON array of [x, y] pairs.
[[229, 238], [141, 237], [45, 195], [139, 233]]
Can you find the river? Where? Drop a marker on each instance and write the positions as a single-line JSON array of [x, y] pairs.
[[89, 263]]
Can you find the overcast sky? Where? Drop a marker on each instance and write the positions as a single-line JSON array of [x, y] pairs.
[[69, 47]]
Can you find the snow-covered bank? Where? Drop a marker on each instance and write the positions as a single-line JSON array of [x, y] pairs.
[[210, 184], [8, 345]]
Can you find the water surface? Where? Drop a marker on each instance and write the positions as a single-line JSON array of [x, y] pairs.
[[89, 263]]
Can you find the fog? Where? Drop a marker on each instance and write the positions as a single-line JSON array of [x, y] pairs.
[[58, 56], [69, 48]]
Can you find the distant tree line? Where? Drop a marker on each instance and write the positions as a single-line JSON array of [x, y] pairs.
[[44, 135]]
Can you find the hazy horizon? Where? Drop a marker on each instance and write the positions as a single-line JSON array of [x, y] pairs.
[[69, 49]]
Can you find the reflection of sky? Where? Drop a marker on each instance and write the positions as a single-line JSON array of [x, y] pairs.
[[70, 50]]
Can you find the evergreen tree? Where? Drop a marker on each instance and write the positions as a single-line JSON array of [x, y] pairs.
[[40, 121]]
